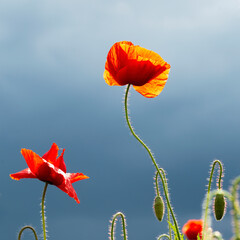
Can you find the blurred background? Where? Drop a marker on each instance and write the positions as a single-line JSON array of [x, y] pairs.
[[52, 57]]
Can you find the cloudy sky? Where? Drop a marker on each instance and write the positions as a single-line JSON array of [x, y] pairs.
[[52, 56]]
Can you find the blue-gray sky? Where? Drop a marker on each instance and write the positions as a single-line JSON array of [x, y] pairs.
[[52, 90]]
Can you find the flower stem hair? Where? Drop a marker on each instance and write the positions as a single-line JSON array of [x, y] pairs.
[[112, 227], [27, 227], [219, 185], [158, 194], [162, 236], [43, 212], [153, 160]]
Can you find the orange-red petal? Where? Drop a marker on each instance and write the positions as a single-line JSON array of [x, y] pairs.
[[51, 154], [74, 177], [138, 73], [154, 87], [129, 64], [193, 228], [67, 187], [34, 161], [60, 162], [43, 170], [117, 59], [26, 173]]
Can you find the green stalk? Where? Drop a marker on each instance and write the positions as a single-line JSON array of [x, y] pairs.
[[43, 213], [27, 227], [168, 211], [123, 225], [153, 160], [208, 193], [162, 236]]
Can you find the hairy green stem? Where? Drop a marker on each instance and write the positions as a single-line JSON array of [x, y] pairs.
[[163, 235], [208, 193], [156, 184], [27, 227], [43, 213], [168, 211], [123, 225], [153, 160], [236, 208]]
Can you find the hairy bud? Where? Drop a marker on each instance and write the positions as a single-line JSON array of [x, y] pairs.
[[159, 208], [219, 205]]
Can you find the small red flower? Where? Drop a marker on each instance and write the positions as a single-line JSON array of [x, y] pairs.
[[130, 64], [192, 228], [49, 168]]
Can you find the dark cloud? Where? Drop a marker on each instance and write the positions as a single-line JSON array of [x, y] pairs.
[[52, 90]]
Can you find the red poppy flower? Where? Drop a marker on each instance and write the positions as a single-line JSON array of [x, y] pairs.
[[192, 228], [129, 64], [49, 168]]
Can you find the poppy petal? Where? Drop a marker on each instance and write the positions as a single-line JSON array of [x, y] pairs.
[[52, 154], [109, 79], [60, 162], [74, 177], [117, 59], [193, 228], [26, 173], [143, 68], [67, 187], [43, 170], [154, 87], [138, 73], [145, 54], [33, 160]]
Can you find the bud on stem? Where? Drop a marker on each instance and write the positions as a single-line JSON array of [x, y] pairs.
[[219, 205], [159, 208]]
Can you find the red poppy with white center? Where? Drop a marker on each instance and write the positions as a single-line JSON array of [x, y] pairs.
[[51, 169]]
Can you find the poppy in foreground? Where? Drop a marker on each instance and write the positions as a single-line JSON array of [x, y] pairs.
[[130, 64], [193, 228], [51, 169]]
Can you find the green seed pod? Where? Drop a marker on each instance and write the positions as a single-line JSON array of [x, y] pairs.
[[159, 208], [219, 205]]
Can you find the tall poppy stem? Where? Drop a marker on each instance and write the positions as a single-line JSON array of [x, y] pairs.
[[158, 193], [208, 193], [153, 160], [43, 212]]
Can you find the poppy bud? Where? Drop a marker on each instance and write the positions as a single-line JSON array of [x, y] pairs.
[[159, 208], [219, 205]]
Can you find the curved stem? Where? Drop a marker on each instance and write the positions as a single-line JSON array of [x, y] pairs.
[[27, 227], [163, 235], [235, 206], [168, 211], [123, 225], [43, 213], [152, 158], [208, 193]]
